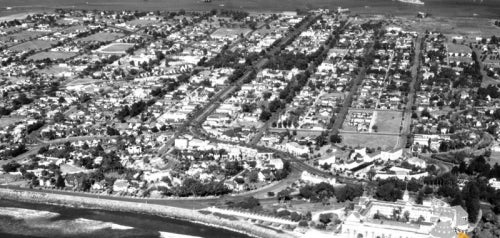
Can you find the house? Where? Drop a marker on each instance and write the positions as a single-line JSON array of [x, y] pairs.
[[296, 149], [277, 163], [494, 183], [417, 162], [181, 143], [308, 178], [330, 160], [120, 185]]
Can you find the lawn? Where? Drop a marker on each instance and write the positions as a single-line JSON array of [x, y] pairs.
[[369, 140], [53, 55], [33, 45], [388, 121], [103, 37]]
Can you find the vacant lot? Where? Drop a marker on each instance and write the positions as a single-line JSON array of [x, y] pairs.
[[369, 140], [103, 37], [33, 45], [53, 55], [388, 121]]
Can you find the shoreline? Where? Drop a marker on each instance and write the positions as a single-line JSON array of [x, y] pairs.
[[183, 214], [436, 8]]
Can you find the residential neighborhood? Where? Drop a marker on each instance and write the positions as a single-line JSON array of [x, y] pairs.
[[306, 123]]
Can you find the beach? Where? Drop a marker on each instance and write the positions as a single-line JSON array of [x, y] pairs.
[[39, 197], [444, 8]]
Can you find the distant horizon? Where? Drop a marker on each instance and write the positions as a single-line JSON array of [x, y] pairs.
[[444, 8]]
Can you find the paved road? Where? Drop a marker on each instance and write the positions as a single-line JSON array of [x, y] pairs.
[[348, 100], [406, 123], [210, 107], [33, 150]]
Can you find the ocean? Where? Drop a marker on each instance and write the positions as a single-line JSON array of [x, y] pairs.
[[445, 8], [20, 219]]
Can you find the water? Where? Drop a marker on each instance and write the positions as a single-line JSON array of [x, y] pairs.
[[462, 8], [19, 219]]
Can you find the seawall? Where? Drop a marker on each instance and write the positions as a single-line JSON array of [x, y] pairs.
[[151, 209]]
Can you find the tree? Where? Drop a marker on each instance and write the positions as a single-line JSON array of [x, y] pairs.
[[284, 195], [294, 216], [112, 131], [60, 182], [62, 99], [457, 200], [265, 115], [388, 191], [12, 166], [59, 117], [348, 192], [336, 138], [471, 196], [249, 203], [253, 176], [325, 218], [420, 197]]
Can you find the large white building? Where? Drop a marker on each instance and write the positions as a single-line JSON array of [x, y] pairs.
[[433, 219]]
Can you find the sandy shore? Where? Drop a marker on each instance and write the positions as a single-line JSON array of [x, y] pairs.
[[151, 209]]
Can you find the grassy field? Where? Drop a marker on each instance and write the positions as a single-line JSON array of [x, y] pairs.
[[22, 36], [102, 36], [6, 121], [388, 121], [115, 48], [139, 23], [52, 55], [369, 140], [33, 45]]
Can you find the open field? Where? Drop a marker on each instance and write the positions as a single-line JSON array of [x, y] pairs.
[[115, 48], [230, 32], [33, 45], [102, 36], [369, 140], [388, 121], [53, 55], [6, 121], [470, 27], [82, 81], [22, 36], [140, 23]]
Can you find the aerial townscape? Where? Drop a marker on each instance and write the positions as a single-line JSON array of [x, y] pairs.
[[308, 123]]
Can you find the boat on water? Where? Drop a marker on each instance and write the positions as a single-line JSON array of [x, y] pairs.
[[418, 2]]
